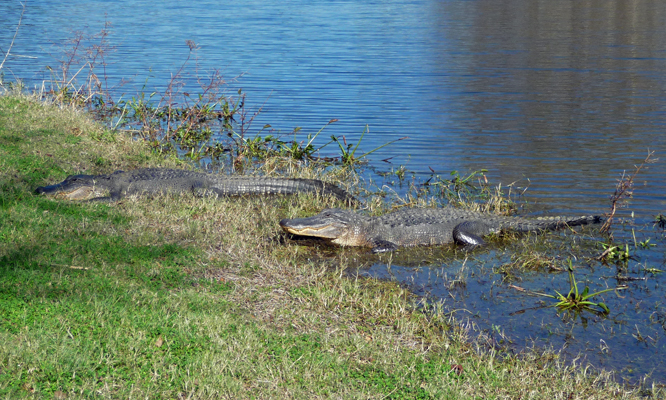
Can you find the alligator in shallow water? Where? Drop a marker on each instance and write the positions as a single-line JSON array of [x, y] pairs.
[[414, 227], [114, 186]]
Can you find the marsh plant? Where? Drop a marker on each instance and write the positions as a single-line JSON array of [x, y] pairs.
[[624, 190], [176, 119], [79, 78], [576, 300], [472, 191], [348, 150], [4, 54], [614, 253]]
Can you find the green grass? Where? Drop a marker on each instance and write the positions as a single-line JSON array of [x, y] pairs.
[[178, 297]]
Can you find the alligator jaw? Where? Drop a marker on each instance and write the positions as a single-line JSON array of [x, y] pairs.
[[80, 193], [75, 187], [341, 227], [306, 227]]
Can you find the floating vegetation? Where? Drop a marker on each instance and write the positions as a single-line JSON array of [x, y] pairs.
[[614, 253]]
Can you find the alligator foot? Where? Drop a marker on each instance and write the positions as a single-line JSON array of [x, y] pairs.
[[383, 246]]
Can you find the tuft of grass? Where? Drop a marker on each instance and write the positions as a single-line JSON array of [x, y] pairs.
[[528, 260]]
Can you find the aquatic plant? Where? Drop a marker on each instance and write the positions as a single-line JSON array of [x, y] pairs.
[[299, 151], [576, 300], [473, 191], [460, 185], [645, 244], [171, 118], [614, 253], [348, 155]]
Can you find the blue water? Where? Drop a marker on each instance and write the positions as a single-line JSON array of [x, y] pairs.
[[556, 96]]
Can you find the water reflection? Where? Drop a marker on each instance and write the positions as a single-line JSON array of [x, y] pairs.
[[562, 93]]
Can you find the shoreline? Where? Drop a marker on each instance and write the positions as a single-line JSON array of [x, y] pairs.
[[188, 297]]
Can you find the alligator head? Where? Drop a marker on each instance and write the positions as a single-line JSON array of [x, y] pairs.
[[342, 227], [75, 187]]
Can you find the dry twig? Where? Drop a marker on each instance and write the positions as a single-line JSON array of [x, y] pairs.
[[13, 38], [624, 190]]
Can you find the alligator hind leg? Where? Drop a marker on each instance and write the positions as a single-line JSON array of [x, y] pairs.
[[469, 234], [199, 189], [383, 246]]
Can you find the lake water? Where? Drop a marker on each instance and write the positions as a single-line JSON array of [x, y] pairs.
[[556, 96]]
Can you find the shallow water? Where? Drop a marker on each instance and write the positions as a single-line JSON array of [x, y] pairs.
[[559, 97], [482, 289]]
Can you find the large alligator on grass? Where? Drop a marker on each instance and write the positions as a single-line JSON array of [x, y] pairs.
[[114, 186], [415, 227]]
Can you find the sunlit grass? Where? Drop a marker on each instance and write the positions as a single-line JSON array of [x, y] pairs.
[[183, 297]]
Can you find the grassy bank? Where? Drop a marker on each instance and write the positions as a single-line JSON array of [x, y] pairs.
[[182, 297]]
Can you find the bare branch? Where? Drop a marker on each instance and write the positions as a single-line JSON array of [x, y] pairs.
[[14, 38], [624, 190]]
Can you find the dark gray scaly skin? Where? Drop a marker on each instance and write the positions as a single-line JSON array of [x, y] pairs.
[[418, 227], [119, 184]]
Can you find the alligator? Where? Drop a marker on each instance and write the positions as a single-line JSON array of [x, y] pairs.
[[112, 187], [414, 227]]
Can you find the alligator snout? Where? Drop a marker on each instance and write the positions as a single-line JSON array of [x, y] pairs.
[[46, 189]]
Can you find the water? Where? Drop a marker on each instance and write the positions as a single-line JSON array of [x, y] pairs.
[[559, 97]]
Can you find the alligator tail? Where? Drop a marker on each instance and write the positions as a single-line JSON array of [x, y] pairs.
[[554, 223], [280, 186]]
